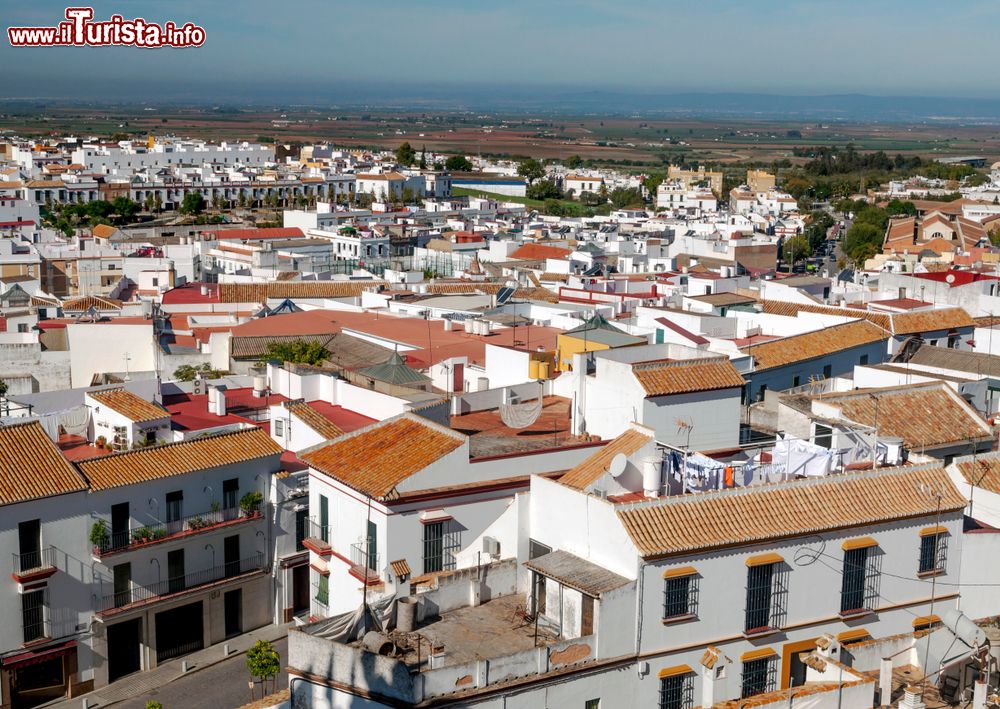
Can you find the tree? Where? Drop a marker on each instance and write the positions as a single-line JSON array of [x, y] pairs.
[[531, 170], [544, 189], [188, 372], [622, 197], [458, 163], [795, 249], [406, 155], [125, 208], [264, 664], [862, 241], [3, 388], [897, 207], [573, 162], [153, 704], [297, 352], [149, 203], [157, 202], [193, 203], [423, 157]]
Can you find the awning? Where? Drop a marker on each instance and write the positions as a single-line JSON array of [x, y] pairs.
[[853, 635], [859, 543], [937, 529], [757, 654], [925, 620], [680, 571], [765, 559], [33, 657], [674, 671]]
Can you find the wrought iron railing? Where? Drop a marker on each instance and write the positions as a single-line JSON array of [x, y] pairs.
[[36, 560], [122, 540], [177, 584]]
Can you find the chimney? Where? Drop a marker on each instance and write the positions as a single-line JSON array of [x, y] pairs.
[[204, 289], [912, 698]]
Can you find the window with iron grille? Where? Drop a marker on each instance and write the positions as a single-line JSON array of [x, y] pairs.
[[767, 590], [677, 692], [33, 615], [859, 585], [441, 542], [758, 676], [680, 596], [933, 548]]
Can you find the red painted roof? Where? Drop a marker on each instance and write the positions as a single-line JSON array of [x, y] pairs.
[[345, 419], [255, 234], [190, 293], [189, 412], [537, 252]]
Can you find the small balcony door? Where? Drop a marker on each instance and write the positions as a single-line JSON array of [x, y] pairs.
[[119, 525], [29, 539], [231, 551]]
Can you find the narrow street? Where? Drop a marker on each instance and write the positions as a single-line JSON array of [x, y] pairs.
[[221, 686]]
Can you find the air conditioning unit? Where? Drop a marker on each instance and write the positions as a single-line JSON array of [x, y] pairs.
[[599, 492], [491, 546]]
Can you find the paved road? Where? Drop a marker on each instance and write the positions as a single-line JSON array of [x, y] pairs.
[[221, 686]]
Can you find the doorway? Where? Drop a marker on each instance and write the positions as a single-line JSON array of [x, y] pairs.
[[35, 683], [300, 589], [793, 670], [179, 631], [233, 601], [123, 648]]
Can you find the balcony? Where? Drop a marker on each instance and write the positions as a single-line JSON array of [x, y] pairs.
[[146, 535], [41, 624], [317, 537], [34, 565], [136, 596], [364, 564]]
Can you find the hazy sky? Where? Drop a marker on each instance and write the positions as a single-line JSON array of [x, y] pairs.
[[900, 47]]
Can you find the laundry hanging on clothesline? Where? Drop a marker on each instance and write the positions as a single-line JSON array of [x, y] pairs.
[[798, 457]]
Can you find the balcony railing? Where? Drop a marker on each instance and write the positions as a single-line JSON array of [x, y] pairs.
[[33, 561], [44, 623], [315, 530], [364, 557], [144, 594], [123, 540]]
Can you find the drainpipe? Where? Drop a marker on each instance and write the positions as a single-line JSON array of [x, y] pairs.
[[640, 566]]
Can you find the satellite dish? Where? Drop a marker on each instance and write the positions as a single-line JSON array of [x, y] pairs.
[[950, 278], [618, 464]]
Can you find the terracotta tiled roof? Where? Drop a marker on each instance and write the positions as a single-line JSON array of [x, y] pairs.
[[923, 415], [809, 345], [31, 465], [685, 524], [983, 471], [260, 292], [664, 378], [103, 231], [314, 419], [896, 323], [377, 458], [86, 302], [132, 407], [596, 465], [178, 458], [400, 567]]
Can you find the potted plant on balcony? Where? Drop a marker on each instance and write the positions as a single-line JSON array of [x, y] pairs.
[[99, 535], [250, 503], [100, 442]]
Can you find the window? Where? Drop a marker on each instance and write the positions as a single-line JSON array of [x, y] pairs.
[[859, 585], [592, 704], [758, 676], [933, 548], [300, 529], [795, 381], [33, 615], [175, 570], [323, 590], [537, 549], [29, 539], [677, 691], [827, 371], [175, 503], [767, 587], [864, 360], [433, 547], [324, 518], [372, 544], [279, 428], [680, 594], [230, 489]]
